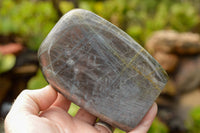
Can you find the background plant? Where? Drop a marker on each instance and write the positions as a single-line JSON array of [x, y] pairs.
[[6, 62], [140, 18], [28, 20], [194, 123], [32, 20]]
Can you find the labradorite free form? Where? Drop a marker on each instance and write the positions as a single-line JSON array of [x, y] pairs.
[[100, 68]]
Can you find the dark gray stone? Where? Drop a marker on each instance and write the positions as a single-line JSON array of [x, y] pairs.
[[100, 68]]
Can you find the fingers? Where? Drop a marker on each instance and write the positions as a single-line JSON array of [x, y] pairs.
[[85, 116], [146, 122], [62, 102], [103, 127]]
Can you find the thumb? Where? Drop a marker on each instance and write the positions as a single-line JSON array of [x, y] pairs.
[[146, 122], [27, 107], [34, 101]]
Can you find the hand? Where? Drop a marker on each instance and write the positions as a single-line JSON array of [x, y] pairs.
[[45, 111]]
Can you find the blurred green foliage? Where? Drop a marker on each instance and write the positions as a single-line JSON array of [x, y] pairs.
[[65, 6], [194, 123], [6, 62], [158, 127], [37, 82], [30, 20], [118, 131], [73, 109], [139, 18]]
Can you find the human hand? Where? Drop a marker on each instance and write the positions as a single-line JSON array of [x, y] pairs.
[[46, 111]]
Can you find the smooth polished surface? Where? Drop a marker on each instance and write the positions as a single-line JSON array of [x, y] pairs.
[[100, 68]]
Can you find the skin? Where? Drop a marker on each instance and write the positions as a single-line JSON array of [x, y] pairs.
[[46, 111]]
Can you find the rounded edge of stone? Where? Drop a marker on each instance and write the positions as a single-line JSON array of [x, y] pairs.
[[77, 11]]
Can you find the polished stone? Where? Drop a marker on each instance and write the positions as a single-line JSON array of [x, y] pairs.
[[100, 68]]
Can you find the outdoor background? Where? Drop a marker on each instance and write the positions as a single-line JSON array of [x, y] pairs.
[[168, 29]]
